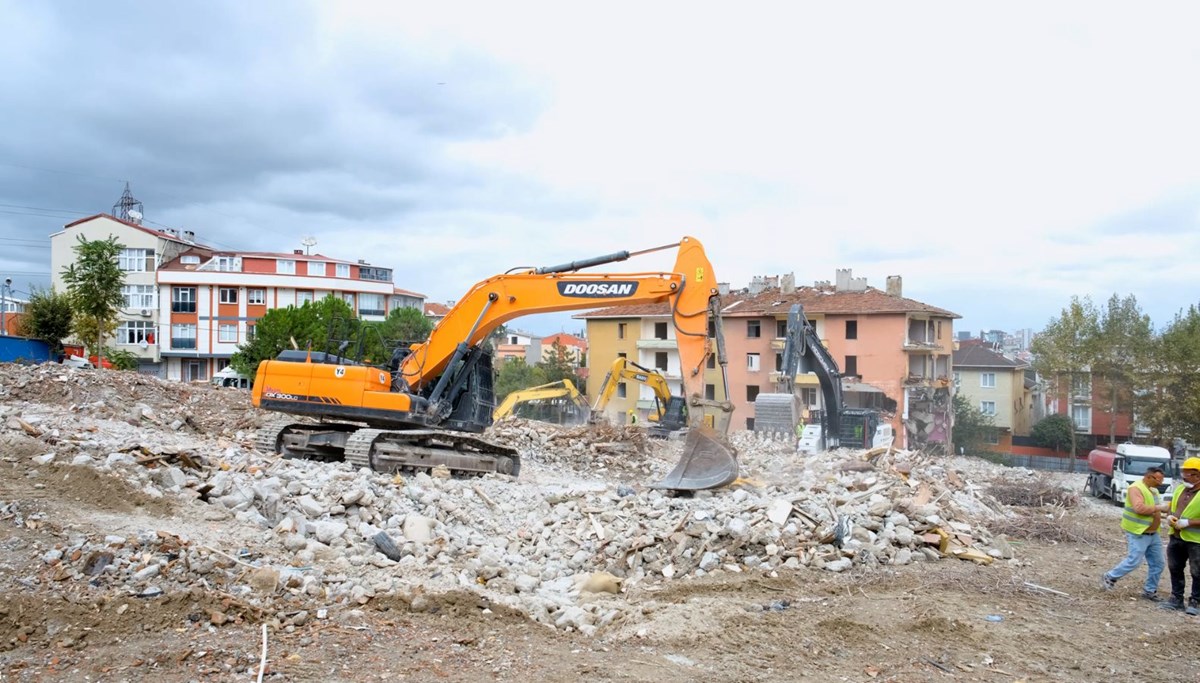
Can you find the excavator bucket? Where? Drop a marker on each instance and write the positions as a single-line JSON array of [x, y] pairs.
[[708, 462]]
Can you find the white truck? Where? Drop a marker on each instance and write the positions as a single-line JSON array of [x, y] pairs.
[[1113, 470]]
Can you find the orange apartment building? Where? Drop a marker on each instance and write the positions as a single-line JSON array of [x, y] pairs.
[[894, 352]]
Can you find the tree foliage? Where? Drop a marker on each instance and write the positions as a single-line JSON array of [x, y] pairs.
[[1054, 431], [558, 365], [310, 325], [48, 317], [1123, 352], [1069, 348], [514, 374], [94, 283], [971, 426], [1171, 407]]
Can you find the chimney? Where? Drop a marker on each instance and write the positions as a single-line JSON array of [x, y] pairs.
[[298, 252], [189, 235], [362, 262], [894, 286], [723, 288], [787, 283], [846, 282], [757, 284]]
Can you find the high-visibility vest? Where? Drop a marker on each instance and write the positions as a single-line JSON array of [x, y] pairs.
[[1132, 521], [1190, 534]]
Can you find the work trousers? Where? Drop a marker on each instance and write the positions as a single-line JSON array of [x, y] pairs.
[[1140, 547], [1180, 553]]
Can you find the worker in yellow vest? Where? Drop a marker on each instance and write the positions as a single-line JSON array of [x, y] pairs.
[[1141, 520], [1183, 547]]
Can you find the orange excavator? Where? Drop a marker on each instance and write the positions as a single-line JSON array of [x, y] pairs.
[[429, 405]]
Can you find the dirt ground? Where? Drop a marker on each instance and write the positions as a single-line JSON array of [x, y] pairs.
[[924, 622]]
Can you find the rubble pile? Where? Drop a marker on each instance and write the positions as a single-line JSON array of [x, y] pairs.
[[541, 544]]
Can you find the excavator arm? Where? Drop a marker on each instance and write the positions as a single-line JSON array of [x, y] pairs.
[[561, 389], [624, 369]]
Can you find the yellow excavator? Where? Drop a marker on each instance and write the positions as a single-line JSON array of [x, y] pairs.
[[670, 412], [427, 407], [556, 402]]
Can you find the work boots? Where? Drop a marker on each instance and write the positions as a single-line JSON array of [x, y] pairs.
[[1173, 603], [1193, 608]]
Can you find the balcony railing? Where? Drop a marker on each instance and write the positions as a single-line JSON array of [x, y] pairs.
[[372, 311], [657, 344], [183, 343], [183, 306]]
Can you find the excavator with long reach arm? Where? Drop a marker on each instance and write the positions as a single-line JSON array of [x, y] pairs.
[[428, 407]]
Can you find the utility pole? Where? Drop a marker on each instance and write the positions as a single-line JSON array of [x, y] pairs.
[[5, 295]]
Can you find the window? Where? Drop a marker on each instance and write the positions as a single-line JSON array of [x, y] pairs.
[[660, 330], [851, 366], [135, 332], [380, 274], [371, 304], [751, 392], [851, 329], [990, 436], [222, 363], [229, 264], [285, 266], [808, 396], [622, 354], [305, 297], [987, 407], [620, 390], [183, 336], [227, 333], [256, 296], [987, 380], [710, 392], [753, 329], [957, 379], [1081, 385], [660, 360], [349, 299], [136, 260], [778, 362], [138, 296], [621, 330], [249, 331], [712, 361], [780, 329], [749, 424], [190, 260], [343, 270], [316, 268], [183, 299], [1082, 417], [752, 362], [228, 295], [939, 336]]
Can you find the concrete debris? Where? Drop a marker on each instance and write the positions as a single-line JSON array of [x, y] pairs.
[[579, 521]]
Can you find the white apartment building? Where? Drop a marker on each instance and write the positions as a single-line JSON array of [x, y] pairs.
[[189, 306]]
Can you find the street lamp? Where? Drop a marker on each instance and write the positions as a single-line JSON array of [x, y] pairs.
[[5, 295]]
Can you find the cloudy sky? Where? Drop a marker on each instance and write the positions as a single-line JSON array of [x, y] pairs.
[[1001, 158]]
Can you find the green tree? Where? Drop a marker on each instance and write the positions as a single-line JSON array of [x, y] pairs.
[[515, 374], [48, 317], [314, 323], [94, 283], [1054, 431], [1067, 349], [403, 326], [971, 426], [1123, 350], [1172, 407], [559, 364]]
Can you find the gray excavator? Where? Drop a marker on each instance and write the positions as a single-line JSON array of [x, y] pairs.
[[838, 426]]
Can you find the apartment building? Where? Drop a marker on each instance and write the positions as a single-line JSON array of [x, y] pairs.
[[644, 334], [518, 344], [188, 306], [995, 385], [574, 349], [1099, 414], [894, 353]]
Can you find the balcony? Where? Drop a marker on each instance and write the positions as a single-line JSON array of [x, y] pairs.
[[778, 344], [657, 344], [183, 343], [920, 345], [183, 306]]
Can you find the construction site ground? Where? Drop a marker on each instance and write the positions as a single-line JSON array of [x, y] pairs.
[[1039, 616]]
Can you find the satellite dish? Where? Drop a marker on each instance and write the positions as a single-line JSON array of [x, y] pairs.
[[135, 216], [308, 241], [144, 344]]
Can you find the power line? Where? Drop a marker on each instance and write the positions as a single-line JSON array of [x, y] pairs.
[[43, 208]]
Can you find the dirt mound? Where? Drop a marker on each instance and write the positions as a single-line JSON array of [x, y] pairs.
[[82, 486]]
